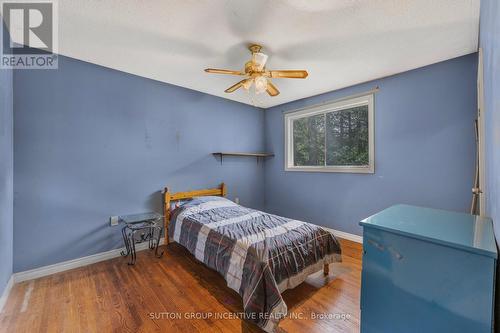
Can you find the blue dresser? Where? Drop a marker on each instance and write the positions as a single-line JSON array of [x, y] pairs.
[[427, 270]]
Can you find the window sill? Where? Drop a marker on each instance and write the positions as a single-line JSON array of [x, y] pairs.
[[367, 169]]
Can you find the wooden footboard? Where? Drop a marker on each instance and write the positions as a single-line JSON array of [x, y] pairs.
[[326, 269], [169, 198]]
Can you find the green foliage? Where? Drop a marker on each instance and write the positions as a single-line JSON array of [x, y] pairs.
[[309, 141], [336, 138]]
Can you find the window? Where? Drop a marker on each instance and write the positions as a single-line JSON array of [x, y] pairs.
[[334, 137]]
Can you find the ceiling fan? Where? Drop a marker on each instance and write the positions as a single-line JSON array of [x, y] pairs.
[[255, 70]]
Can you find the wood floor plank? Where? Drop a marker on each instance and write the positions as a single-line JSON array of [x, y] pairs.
[[175, 294]]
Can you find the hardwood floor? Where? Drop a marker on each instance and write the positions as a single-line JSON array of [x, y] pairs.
[[175, 294]]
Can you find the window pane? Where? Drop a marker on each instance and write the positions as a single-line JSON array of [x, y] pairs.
[[309, 141], [347, 137]]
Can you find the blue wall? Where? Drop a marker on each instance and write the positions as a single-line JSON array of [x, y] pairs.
[[6, 177], [91, 142], [490, 43], [424, 150]]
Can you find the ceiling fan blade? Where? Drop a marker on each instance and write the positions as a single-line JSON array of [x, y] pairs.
[[236, 86], [271, 89], [288, 74], [224, 71]]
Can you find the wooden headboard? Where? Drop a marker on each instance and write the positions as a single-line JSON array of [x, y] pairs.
[[168, 198]]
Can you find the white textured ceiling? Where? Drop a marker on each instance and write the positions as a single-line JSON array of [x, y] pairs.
[[340, 42]]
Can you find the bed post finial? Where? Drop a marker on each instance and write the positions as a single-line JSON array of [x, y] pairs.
[[224, 189], [166, 212]]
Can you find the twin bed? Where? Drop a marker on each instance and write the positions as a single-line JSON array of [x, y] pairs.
[[260, 255]]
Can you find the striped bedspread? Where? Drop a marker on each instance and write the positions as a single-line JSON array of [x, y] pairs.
[[260, 255]]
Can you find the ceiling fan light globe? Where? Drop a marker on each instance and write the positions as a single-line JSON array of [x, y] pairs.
[[260, 60], [260, 84]]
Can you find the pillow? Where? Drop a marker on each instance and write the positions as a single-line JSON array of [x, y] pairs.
[[195, 201], [198, 200]]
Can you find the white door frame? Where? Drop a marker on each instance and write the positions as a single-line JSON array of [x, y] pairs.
[[481, 130]]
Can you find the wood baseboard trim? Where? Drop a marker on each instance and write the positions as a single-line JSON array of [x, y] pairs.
[[6, 292], [345, 235], [70, 264]]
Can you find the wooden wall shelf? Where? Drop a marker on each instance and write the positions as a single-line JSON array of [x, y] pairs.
[[238, 154]]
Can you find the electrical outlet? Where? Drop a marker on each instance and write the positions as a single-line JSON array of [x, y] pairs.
[[113, 220], [237, 200]]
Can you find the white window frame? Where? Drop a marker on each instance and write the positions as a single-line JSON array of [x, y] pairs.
[[338, 105]]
